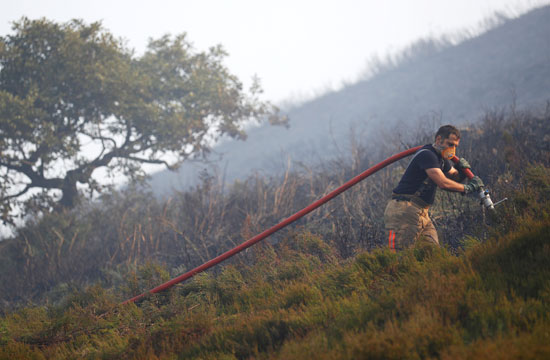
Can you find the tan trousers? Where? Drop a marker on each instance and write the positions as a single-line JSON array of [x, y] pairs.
[[408, 224]]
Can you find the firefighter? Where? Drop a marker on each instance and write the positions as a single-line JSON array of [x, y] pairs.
[[406, 216]]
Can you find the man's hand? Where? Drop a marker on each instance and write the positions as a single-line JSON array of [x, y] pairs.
[[462, 164], [474, 185]]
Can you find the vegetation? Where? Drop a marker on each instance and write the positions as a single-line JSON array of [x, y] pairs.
[[73, 99], [485, 294], [300, 299], [103, 241]]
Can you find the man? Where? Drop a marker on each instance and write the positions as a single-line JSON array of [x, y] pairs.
[[406, 215]]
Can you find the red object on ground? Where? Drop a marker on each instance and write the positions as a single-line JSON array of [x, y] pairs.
[[279, 226]]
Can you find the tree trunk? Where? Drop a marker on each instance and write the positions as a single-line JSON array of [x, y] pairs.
[[70, 193]]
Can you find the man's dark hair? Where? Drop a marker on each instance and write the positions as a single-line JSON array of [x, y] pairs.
[[446, 130]]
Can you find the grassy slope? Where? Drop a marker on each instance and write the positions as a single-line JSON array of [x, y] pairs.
[[301, 301]]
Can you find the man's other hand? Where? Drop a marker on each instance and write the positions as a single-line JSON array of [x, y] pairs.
[[463, 164]]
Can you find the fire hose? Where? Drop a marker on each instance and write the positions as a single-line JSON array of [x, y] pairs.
[[483, 195]]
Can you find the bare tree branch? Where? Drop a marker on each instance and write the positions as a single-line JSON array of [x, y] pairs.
[[150, 161], [27, 188]]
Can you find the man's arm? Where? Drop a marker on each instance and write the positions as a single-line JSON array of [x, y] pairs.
[[444, 182], [453, 174]]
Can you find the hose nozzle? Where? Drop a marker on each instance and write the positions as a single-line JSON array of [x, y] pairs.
[[485, 199]]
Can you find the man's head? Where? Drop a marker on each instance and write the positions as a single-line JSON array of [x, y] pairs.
[[447, 139]]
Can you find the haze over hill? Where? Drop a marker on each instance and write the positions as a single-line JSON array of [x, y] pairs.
[[508, 65]]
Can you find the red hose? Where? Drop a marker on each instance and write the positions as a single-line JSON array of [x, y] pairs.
[[277, 227], [469, 174]]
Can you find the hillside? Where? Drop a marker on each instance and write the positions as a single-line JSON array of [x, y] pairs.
[[326, 286], [506, 66], [103, 241], [300, 299]]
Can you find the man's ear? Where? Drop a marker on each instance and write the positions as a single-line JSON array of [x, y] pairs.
[[438, 139]]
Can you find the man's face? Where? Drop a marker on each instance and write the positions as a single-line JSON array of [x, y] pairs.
[[451, 141], [447, 147]]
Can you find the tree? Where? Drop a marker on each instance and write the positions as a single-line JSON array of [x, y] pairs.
[[74, 99]]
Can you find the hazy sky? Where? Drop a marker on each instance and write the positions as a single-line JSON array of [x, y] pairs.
[[296, 47]]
